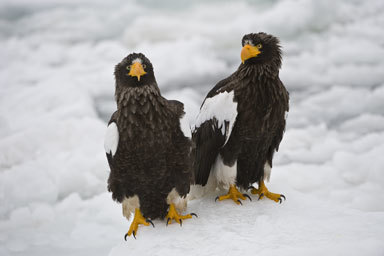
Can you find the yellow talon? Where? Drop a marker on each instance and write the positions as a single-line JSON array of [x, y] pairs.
[[233, 194], [263, 191], [174, 215], [138, 219]]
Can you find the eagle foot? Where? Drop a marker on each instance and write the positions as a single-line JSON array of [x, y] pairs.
[[234, 194], [263, 191], [138, 219], [174, 215]]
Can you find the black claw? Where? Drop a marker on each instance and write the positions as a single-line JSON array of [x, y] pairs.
[[181, 222], [261, 195], [280, 200], [133, 233], [125, 237], [194, 214], [168, 221], [247, 196], [283, 197], [239, 201], [149, 221], [216, 198], [251, 187]]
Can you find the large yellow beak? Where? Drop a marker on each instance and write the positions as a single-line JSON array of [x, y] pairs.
[[137, 70], [248, 52]]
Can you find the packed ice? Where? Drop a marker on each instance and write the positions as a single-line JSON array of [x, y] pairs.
[[56, 95]]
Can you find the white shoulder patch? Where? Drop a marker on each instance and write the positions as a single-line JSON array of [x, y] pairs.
[[184, 126], [111, 139], [222, 108]]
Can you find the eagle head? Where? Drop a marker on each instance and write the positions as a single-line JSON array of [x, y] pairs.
[[135, 70], [261, 48]]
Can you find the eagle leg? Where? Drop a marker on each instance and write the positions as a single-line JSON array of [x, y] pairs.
[[263, 191], [233, 194], [174, 215], [138, 219]]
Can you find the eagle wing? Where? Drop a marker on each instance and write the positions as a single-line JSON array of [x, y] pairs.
[[213, 128], [181, 137], [178, 108]]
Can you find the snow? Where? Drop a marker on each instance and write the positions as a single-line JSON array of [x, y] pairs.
[[56, 95]]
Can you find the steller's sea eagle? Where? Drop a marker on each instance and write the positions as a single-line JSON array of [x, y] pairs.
[[147, 147], [241, 123]]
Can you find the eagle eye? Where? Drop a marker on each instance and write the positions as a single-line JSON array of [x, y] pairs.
[[144, 66], [259, 46], [128, 67]]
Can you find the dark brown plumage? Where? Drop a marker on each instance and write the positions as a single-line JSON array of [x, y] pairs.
[[152, 155], [261, 103]]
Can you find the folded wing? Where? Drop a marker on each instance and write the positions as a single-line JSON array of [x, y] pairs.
[[212, 131]]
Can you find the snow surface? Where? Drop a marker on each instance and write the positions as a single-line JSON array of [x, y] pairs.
[[56, 95]]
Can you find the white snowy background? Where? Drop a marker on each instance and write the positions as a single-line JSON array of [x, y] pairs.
[[56, 93]]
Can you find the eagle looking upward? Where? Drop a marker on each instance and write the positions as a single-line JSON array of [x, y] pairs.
[[242, 121], [147, 147]]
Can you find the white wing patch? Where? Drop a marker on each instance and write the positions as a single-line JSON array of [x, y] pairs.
[[111, 139], [184, 126], [222, 108]]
